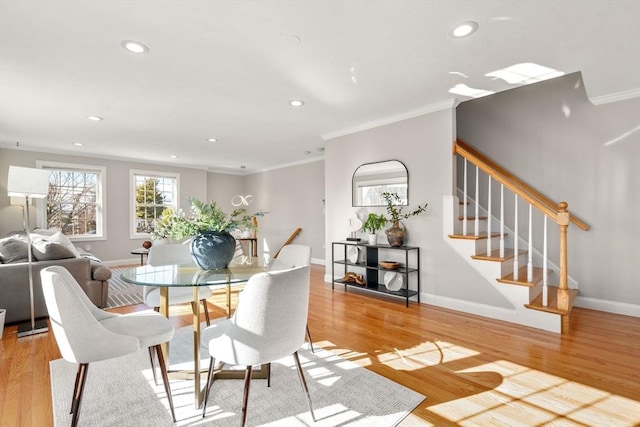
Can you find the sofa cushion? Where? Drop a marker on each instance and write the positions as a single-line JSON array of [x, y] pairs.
[[13, 249], [44, 250]]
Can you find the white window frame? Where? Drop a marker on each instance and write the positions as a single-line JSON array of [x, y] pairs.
[[101, 198], [132, 197]]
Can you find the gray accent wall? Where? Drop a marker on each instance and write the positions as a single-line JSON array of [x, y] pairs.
[[552, 137]]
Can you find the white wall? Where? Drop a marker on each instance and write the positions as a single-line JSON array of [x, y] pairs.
[[550, 135], [294, 197], [424, 145]]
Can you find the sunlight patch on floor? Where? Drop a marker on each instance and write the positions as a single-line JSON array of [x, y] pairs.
[[526, 393], [430, 353]]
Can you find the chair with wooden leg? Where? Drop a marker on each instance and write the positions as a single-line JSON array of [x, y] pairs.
[[169, 254], [87, 334], [293, 256], [268, 324]]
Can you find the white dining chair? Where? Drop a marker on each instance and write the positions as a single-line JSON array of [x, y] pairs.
[[268, 324], [86, 334], [168, 254], [293, 255]]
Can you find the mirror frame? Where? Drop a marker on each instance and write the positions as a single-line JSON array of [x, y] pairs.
[[354, 201]]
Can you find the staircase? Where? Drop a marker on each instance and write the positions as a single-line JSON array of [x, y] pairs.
[[494, 226]]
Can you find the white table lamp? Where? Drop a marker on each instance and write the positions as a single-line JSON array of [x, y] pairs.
[[29, 183]]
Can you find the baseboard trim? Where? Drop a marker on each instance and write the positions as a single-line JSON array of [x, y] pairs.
[[614, 307]]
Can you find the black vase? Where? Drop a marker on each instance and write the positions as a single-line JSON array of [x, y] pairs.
[[213, 250]]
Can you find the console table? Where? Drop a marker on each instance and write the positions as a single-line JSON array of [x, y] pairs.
[[366, 258]]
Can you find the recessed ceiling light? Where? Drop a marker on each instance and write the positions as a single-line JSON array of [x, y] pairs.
[[78, 144], [134, 46], [296, 103], [212, 140], [173, 156], [464, 29], [95, 118]]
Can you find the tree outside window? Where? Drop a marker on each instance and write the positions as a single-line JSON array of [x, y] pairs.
[[153, 195], [73, 204]]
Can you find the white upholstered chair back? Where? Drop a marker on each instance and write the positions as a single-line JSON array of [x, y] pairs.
[[292, 256], [170, 253], [75, 321], [269, 322]]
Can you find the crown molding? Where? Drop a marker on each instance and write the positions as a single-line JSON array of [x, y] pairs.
[[427, 109], [615, 97]]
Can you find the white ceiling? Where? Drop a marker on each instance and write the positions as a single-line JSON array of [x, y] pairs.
[[227, 69]]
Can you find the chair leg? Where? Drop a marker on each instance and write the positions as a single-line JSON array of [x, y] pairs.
[[269, 374], [206, 311], [304, 384], [165, 378], [310, 340], [81, 378], [245, 397], [153, 367], [212, 363]]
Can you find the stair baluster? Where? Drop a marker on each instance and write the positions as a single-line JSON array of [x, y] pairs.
[[545, 291], [501, 220], [476, 230], [530, 247], [516, 265], [489, 239], [464, 201]]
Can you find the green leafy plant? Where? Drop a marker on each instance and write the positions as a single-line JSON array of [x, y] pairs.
[[374, 223], [202, 217], [395, 210]]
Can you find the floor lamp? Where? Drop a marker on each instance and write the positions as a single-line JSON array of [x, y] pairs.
[[29, 183]]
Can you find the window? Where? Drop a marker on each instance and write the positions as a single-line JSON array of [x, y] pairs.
[[75, 203], [151, 194]]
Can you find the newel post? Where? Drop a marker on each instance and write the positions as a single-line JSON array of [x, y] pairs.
[[563, 286]]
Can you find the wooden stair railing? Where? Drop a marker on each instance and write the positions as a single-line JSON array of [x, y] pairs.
[[289, 240], [558, 212]]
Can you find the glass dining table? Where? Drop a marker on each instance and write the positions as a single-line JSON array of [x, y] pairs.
[[166, 277]]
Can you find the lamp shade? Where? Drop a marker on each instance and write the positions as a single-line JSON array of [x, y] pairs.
[[28, 182]]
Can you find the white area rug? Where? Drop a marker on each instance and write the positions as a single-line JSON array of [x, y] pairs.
[[121, 392]]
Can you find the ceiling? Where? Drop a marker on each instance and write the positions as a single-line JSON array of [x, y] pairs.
[[228, 69]]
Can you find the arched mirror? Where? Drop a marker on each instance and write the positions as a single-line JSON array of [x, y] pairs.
[[370, 180]]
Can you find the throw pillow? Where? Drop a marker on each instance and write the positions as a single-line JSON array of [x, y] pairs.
[[13, 250], [44, 250], [64, 241]]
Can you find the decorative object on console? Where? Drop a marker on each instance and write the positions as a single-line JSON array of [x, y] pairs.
[[396, 233], [212, 246], [146, 244], [393, 281], [355, 224], [29, 183], [374, 223], [389, 265]]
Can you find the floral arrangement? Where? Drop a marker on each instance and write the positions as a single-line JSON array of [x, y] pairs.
[[395, 210], [203, 217]]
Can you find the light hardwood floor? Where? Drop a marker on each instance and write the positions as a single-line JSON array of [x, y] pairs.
[[474, 371]]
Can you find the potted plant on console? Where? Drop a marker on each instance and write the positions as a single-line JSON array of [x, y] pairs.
[[374, 223], [212, 245], [396, 233]]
